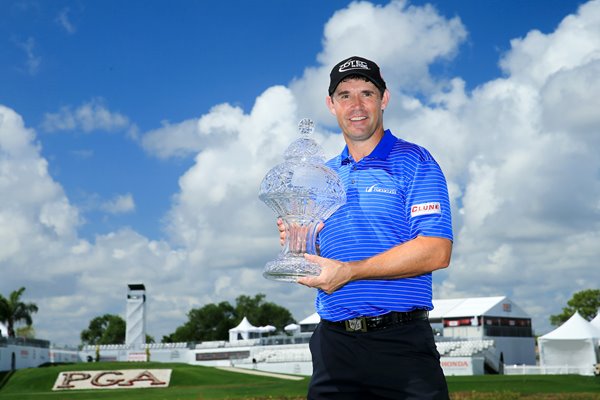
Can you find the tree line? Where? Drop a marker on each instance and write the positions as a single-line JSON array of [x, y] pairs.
[[209, 322], [213, 321]]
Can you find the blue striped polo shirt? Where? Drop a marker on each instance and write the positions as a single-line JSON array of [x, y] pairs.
[[395, 194]]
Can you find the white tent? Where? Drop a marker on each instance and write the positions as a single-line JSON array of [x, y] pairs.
[[291, 328], [266, 329], [573, 345], [245, 330], [311, 319], [3, 330]]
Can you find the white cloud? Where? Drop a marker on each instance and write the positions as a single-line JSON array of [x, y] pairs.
[[575, 42], [192, 136], [33, 62], [36, 219], [64, 21], [89, 117], [30, 198], [120, 204], [566, 88]]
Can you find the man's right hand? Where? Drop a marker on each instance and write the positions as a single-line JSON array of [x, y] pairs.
[[281, 228]]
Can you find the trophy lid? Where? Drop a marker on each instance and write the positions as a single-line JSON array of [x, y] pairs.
[[305, 148], [303, 184]]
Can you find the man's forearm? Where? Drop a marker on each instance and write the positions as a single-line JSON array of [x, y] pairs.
[[415, 257]]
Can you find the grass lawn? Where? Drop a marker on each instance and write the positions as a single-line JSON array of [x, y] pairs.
[[196, 382], [527, 387]]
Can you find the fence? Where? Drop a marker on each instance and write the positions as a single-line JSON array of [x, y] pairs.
[[548, 370]]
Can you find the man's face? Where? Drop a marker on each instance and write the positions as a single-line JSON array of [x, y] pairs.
[[358, 106]]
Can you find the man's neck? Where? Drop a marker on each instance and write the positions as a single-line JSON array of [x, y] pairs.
[[359, 149]]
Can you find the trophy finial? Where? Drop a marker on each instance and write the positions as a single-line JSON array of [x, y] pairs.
[[306, 127]]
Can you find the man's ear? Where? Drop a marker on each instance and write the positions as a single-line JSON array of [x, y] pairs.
[[329, 102], [385, 99]]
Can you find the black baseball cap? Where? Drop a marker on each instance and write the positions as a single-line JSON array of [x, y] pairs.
[[355, 66]]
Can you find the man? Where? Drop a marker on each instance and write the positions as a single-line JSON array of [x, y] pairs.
[[377, 253]]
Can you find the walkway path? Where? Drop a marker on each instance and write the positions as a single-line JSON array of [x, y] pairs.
[[263, 373]]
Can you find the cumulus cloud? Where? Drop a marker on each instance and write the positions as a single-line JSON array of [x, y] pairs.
[[536, 57], [192, 136], [89, 117], [119, 204], [518, 153], [35, 215]]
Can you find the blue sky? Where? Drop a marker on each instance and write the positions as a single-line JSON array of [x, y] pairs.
[[139, 108]]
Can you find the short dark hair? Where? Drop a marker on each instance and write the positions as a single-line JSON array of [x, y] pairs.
[[359, 77]]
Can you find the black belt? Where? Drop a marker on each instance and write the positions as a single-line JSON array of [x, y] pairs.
[[370, 324]]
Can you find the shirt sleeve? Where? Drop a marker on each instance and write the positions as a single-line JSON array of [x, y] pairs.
[[427, 203]]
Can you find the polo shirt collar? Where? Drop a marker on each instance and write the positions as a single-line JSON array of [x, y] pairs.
[[381, 151]]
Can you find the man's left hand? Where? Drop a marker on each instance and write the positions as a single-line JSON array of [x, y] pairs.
[[334, 274]]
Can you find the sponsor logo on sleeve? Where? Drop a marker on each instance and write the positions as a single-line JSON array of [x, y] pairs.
[[425, 209]]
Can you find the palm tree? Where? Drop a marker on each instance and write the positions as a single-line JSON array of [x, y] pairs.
[[13, 310]]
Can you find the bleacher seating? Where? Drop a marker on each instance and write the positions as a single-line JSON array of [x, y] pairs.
[[283, 355], [463, 348]]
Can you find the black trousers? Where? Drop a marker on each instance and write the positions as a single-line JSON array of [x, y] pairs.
[[400, 362]]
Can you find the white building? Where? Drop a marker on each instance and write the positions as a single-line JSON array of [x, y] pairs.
[[497, 319], [135, 333]]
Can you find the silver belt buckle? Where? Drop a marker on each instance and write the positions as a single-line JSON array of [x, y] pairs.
[[356, 324]]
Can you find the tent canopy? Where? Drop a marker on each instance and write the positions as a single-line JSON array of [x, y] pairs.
[[311, 319], [244, 326], [291, 327], [245, 330], [575, 327]]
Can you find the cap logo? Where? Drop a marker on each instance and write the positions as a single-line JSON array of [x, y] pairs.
[[353, 64]]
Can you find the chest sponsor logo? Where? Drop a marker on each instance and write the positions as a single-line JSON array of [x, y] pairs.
[[115, 379], [425, 209], [377, 189]]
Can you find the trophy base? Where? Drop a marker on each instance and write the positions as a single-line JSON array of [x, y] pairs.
[[289, 269]]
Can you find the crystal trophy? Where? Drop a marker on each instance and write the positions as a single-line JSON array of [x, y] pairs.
[[303, 191]]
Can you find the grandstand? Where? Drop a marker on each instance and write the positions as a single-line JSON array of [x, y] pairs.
[[496, 319]]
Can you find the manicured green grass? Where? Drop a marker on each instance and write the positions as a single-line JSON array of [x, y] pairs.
[[525, 387], [195, 383], [187, 382]]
